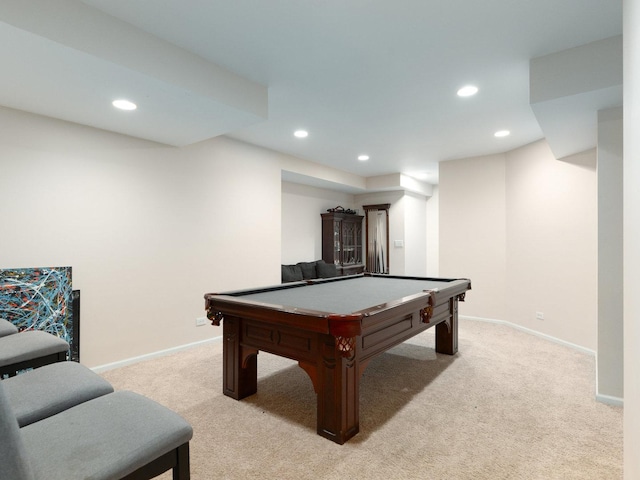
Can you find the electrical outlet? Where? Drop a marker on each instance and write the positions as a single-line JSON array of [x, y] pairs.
[[539, 316], [200, 321]]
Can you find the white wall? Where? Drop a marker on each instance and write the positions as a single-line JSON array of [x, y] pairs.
[[301, 221], [148, 229], [551, 217], [433, 228], [415, 238], [610, 255], [631, 20], [522, 226], [473, 231]]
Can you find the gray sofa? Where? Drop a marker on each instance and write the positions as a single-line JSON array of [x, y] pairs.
[[308, 271]]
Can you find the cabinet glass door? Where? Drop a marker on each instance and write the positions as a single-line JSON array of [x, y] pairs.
[[351, 249], [336, 241]]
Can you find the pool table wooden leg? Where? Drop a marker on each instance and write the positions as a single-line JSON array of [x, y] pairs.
[[447, 332], [338, 386], [239, 364]]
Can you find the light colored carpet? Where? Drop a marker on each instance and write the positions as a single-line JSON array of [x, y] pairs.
[[509, 405]]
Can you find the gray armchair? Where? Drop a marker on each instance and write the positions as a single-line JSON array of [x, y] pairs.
[[30, 349], [45, 391], [120, 435]]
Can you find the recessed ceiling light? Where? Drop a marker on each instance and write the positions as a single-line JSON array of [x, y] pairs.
[[467, 91], [363, 158], [502, 133], [124, 104], [301, 133]]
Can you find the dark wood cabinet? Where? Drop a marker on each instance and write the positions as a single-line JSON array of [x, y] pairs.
[[342, 242]]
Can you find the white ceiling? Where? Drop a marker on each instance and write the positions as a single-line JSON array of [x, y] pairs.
[[362, 76]]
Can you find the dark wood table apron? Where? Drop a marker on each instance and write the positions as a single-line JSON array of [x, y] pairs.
[[333, 328]]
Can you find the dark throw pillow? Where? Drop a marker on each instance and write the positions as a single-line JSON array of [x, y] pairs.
[[308, 270], [326, 270], [291, 273]]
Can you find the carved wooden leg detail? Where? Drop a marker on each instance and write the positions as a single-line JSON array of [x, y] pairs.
[[240, 364], [447, 332], [338, 382]]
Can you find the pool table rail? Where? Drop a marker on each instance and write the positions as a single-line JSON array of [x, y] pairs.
[[220, 305]]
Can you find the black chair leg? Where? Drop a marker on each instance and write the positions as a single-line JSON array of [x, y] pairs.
[[182, 469], [176, 460]]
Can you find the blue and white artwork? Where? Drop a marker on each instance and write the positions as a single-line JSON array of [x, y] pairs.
[[38, 299]]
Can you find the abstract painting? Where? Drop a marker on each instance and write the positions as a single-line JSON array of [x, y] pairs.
[[38, 299]]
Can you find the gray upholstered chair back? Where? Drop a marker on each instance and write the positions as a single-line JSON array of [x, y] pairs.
[[13, 457], [7, 328]]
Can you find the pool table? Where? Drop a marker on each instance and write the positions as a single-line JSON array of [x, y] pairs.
[[333, 328]]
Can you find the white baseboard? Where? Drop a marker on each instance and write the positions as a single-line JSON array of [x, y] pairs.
[[609, 400], [606, 399], [148, 356], [533, 332]]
